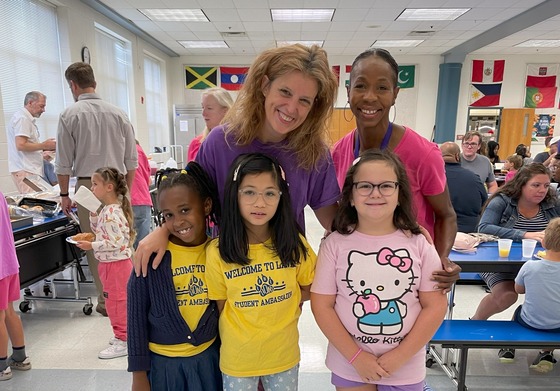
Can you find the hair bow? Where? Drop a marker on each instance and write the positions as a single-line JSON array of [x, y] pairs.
[[387, 256]]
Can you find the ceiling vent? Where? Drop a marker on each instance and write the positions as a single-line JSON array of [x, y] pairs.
[[234, 34], [421, 33]]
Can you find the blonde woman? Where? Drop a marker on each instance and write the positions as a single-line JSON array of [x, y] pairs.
[[215, 104]]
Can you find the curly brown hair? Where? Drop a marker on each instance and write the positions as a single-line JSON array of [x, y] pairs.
[[247, 116]]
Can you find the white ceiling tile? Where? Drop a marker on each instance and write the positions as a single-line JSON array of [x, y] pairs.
[[209, 36], [186, 4], [350, 15], [285, 3], [148, 25], [260, 35], [250, 4], [183, 35], [222, 14], [200, 26], [207, 4], [317, 26], [286, 26], [257, 26], [255, 15], [172, 26], [228, 26], [132, 14]]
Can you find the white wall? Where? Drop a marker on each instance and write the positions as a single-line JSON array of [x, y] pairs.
[[77, 29]]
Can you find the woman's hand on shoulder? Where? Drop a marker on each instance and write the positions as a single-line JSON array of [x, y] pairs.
[[447, 276], [155, 242]]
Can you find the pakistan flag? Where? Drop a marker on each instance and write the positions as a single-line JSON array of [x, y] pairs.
[[406, 76]]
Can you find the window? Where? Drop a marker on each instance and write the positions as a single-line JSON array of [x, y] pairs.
[[113, 70], [156, 107], [30, 60]]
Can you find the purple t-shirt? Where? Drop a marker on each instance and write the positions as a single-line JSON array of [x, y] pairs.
[[376, 281], [316, 187], [8, 262], [424, 166]]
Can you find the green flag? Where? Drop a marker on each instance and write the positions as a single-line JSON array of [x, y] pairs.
[[200, 78], [406, 76]]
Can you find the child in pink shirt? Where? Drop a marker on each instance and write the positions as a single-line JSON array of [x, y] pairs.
[[511, 165]]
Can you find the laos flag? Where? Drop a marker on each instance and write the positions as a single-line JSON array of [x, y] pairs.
[[232, 78]]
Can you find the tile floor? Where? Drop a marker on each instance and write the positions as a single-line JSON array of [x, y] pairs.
[[63, 344]]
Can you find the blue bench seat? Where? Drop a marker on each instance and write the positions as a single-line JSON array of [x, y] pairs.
[[493, 334]]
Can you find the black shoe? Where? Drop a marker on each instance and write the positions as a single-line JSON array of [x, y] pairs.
[[101, 310], [506, 355], [544, 362]]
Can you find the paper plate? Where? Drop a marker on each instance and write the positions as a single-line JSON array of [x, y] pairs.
[[70, 240]]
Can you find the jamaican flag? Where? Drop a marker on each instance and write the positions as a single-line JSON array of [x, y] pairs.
[[200, 78]]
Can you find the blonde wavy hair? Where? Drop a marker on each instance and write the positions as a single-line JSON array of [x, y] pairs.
[[247, 116], [223, 98]]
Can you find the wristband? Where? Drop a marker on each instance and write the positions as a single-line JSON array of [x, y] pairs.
[[355, 356], [64, 194]]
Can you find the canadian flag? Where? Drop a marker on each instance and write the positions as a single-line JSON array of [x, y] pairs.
[[488, 71]]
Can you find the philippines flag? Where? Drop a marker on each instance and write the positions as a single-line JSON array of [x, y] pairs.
[[232, 78], [483, 95], [485, 71]]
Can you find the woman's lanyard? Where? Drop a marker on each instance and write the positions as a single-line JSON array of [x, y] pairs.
[[384, 142]]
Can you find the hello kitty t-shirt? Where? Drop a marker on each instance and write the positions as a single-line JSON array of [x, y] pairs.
[[376, 280]]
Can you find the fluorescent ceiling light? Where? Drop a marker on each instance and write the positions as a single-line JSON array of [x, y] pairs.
[[304, 43], [415, 14], [397, 43], [302, 15], [539, 43], [203, 44], [174, 15]]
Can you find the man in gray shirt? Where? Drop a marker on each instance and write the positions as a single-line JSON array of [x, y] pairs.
[[479, 164], [91, 134]]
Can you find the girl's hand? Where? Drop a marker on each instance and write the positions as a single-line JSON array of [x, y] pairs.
[[140, 381], [84, 245], [391, 361], [155, 242], [92, 214], [368, 368]]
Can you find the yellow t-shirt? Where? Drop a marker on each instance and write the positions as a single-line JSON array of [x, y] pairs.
[[258, 325], [188, 266]]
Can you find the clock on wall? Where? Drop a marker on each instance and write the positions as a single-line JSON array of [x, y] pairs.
[[86, 55]]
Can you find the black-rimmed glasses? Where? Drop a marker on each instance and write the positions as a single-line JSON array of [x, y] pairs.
[[386, 189]]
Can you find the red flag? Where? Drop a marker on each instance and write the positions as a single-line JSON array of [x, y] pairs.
[[540, 81], [488, 71], [336, 71]]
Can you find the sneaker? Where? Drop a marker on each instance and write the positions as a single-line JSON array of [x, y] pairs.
[[506, 355], [101, 310], [6, 374], [112, 340], [117, 349], [24, 365], [544, 362]]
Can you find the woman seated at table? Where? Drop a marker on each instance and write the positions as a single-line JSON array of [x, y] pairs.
[[520, 209]]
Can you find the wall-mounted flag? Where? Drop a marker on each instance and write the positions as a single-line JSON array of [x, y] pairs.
[[483, 95], [348, 70], [406, 76], [541, 85], [232, 78], [486, 82], [336, 71], [200, 78]]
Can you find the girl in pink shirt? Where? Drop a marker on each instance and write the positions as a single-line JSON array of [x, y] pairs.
[[511, 165], [372, 295]]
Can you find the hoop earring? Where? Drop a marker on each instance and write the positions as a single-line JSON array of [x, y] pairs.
[[344, 112], [394, 113]]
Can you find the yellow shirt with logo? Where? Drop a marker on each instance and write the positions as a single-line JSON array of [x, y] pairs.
[[258, 325], [188, 265]]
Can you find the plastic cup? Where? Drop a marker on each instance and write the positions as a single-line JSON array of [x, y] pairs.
[[504, 246], [528, 246]]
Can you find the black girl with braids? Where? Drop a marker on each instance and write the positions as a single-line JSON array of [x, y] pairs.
[[112, 247], [172, 325], [259, 272]]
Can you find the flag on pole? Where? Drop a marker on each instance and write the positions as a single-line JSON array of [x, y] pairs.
[[406, 76], [232, 78], [541, 85]]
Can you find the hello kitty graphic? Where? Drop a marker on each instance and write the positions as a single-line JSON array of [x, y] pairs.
[[380, 280]]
